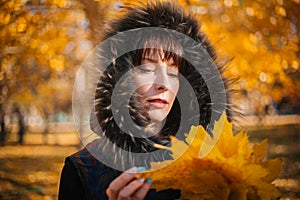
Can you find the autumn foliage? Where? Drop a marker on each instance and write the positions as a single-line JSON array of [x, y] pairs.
[[232, 169], [46, 41]]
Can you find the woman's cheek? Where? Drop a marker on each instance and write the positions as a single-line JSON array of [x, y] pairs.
[[175, 88], [143, 82], [142, 89]]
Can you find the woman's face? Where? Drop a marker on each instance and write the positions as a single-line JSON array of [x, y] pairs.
[[157, 83]]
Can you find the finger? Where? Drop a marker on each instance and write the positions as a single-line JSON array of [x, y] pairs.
[[142, 192], [131, 188], [120, 182]]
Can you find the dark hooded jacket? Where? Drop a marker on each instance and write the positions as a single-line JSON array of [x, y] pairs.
[[202, 97]]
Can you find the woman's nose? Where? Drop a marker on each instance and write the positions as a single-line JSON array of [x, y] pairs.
[[162, 81], [161, 87]]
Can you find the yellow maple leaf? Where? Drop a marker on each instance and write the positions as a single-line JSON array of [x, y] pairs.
[[224, 166]]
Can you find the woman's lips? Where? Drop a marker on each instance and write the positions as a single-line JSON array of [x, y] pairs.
[[158, 103]]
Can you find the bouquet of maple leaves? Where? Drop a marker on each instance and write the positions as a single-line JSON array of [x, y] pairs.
[[226, 166]]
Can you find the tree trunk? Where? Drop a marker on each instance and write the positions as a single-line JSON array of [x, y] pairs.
[[2, 126]]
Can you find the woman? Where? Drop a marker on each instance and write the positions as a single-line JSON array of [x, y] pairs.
[[161, 79]]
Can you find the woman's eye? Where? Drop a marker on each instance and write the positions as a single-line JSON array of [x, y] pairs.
[[146, 68], [173, 75]]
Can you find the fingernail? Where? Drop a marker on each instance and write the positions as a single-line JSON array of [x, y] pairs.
[[133, 170], [141, 180], [149, 180], [136, 170], [141, 169]]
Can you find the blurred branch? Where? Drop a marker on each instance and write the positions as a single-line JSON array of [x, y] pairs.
[[96, 12], [13, 50]]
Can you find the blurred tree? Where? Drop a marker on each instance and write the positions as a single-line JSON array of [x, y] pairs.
[[262, 39], [42, 43]]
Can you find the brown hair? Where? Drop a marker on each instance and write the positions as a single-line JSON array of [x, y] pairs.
[[160, 41]]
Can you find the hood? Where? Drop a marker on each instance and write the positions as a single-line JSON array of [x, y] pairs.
[[199, 71]]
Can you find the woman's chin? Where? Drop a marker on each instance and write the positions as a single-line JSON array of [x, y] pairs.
[[157, 115]]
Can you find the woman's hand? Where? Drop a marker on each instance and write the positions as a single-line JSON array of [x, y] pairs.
[[127, 186]]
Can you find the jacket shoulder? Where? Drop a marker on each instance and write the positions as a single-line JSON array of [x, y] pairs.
[[94, 175]]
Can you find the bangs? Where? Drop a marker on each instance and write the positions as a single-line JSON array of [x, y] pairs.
[[163, 45]]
